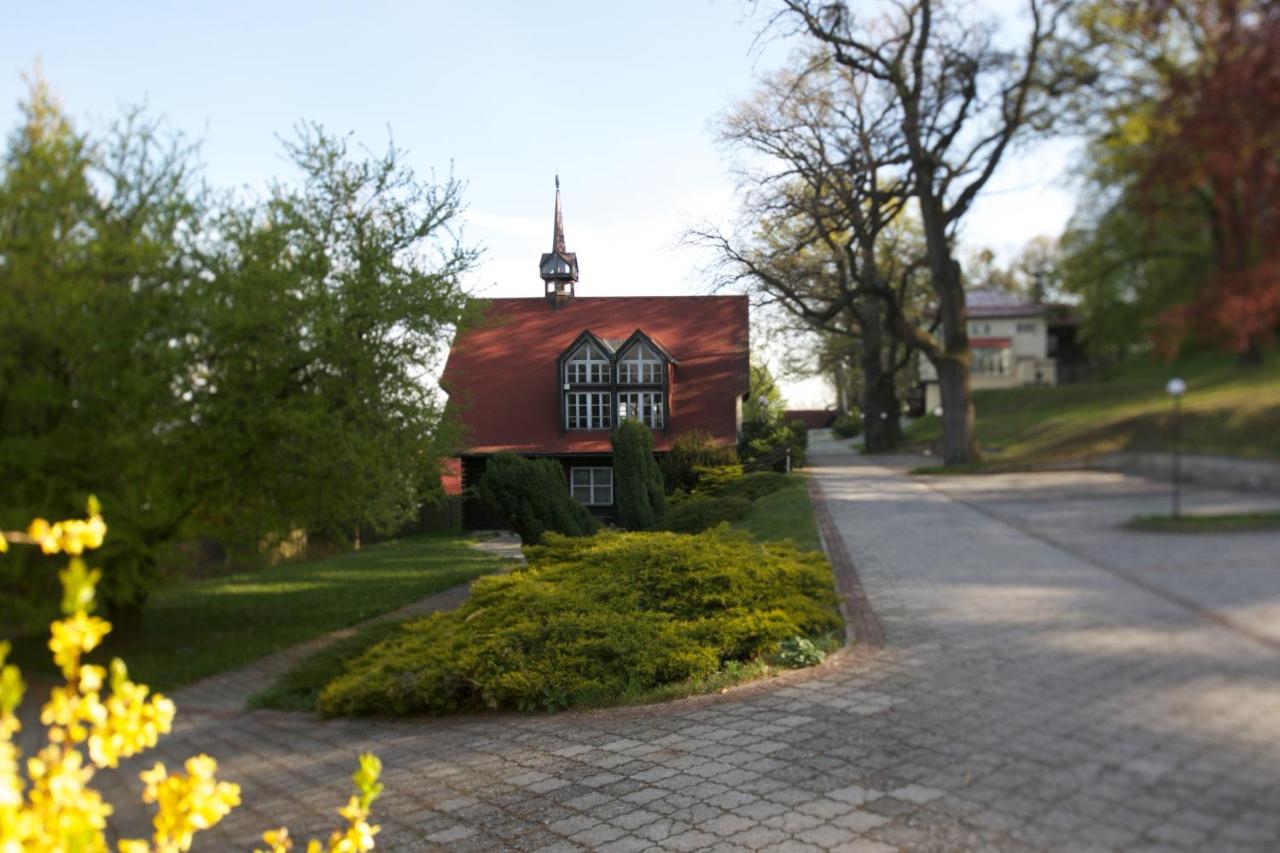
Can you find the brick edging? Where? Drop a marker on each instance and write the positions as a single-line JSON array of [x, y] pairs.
[[854, 603]]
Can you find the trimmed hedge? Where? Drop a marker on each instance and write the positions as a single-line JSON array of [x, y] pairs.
[[753, 486], [691, 451], [697, 513], [595, 620], [637, 479], [533, 496]]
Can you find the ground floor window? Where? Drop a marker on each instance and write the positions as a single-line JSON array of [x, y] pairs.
[[643, 406], [991, 361], [592, 486], [587, 410]]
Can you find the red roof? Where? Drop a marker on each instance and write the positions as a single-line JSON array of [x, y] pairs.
[[990, 343], [503, 372]]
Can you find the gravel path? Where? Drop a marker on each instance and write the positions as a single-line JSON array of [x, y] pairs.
[[1030, 693]]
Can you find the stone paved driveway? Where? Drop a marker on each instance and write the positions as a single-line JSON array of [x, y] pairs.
[[1029, 696]]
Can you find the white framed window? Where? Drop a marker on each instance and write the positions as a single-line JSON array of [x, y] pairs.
[[643, 406], [587, 410], [1026, 328], [587, 366], [592, 486], [640, 366]]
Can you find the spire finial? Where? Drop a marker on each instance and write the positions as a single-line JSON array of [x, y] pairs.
[[557, 234]]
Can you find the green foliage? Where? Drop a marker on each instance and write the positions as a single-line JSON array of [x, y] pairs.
[[215, 369], [714, 480], [690, 451], [755, 485], [696, 513], [847, 426], [764, 400], [592, 620], [785, 514], [533, 496], [799, 652], [638, 491]]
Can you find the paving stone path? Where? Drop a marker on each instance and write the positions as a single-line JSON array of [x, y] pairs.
[[1029, 694]]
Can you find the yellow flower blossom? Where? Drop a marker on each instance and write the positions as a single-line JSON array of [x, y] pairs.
[[101, 713], [187, 803]]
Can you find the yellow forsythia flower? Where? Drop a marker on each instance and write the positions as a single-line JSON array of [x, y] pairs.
[[187, 803]]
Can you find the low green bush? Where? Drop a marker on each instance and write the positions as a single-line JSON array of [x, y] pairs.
[[696, 513], [756, 485], [799, 652], [691, 451], [533, 496], [711, 480], [847, 426], [596, 620]]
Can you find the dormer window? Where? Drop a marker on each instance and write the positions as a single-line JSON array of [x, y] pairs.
[[640, 365], [587, 366]]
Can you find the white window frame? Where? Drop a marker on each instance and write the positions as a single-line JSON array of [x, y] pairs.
[[587, 366], [985, 358], [599, 482], [644, 406], [584, 410], [640, 366]]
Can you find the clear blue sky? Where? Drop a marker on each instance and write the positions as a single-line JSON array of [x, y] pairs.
[[617, 97]]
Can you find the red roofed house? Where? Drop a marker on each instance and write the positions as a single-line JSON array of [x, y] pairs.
[[552, 375]]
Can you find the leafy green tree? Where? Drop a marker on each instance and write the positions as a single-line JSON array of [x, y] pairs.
[[94, 269], [638, 483], [235, 371]]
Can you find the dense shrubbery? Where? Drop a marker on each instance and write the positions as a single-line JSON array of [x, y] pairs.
[[533, 496], [690, 451], [847, 426], [752, 486], [594, 620], [695, 513], [762, 438], [637, 479]]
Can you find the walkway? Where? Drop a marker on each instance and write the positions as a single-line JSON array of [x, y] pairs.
[[1029, 695]]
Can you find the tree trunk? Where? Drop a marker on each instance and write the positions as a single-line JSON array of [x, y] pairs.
[[883, 429], [959, 441]]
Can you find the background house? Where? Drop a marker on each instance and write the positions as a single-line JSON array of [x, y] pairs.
[[1014, 341], [552, 375]]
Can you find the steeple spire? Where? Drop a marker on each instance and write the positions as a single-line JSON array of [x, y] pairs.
[[557, 235], [559, 267]]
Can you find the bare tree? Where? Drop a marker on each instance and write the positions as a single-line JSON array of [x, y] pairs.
[[823, 191], [959, 99]]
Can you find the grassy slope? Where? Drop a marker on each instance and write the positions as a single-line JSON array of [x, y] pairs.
[[196, 629], [1205, 523], [786, 514], [1227, 409]]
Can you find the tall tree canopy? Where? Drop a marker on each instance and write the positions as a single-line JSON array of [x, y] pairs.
[[958, 99], [215, 368]]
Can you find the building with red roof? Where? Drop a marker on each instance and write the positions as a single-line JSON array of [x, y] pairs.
[[552, 375]]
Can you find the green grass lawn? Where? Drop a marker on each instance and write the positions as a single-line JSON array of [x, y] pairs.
[[1207, 523], [785, 514], [199, 628], [1227, 409]]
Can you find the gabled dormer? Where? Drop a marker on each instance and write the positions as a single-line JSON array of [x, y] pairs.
[[585, 377], [559, 267], [642, 372]]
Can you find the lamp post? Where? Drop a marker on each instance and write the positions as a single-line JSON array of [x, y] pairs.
[[1176, 389]]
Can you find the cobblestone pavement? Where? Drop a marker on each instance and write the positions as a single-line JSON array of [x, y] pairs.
[[1028, 696]]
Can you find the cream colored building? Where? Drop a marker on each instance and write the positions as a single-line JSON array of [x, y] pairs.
[[1008, 342]]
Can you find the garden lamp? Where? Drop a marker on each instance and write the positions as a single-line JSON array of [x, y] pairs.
[[1176, 389]]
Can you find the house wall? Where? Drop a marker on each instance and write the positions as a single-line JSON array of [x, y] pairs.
[[477, 516]]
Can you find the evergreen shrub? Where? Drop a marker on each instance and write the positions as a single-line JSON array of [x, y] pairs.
[[638, 493], [753, 486], [847, 426], [533, 496], [596, 620], [696, 513], [690, 451]]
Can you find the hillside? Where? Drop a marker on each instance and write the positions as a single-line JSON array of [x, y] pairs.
[[1227, 410]]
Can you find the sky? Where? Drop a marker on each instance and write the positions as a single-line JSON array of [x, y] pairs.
[[618, 99]]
